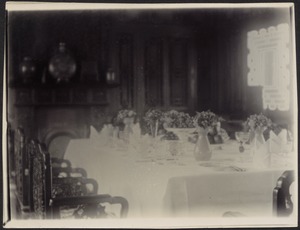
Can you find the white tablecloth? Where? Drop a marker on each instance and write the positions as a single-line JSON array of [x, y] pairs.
[[156, 187]]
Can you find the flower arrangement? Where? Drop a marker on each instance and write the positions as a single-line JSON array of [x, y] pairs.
[[206, 119], [175, 119], [258, 121], [152, 116], [125, 113], [153, 119]]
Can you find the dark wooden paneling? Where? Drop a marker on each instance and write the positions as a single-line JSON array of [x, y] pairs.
[[153, 72], [126, 45], [178, 72], [61, 119], [125, 69]]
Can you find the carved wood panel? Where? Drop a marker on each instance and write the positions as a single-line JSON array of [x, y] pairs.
[[80, 96], [22, 173]]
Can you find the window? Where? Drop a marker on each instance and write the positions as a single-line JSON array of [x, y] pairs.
[[268, 61]]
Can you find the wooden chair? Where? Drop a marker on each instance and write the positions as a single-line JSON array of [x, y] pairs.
[[22, 180], [46, 206], [63, 168], [70, 182], [282, 203], [60, 163], [73, 186], [66, 181], [69, 172], [10, 150]]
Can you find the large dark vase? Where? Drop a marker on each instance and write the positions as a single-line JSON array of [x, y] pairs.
[[27, 69], [62, 65]]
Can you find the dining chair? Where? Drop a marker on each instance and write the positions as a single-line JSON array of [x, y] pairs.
[[66, 181], [63, 168], [68, 172], [48, 206], [282, 202], [58, 143], [22, 180], [73, 186], [60, 163], [10, 150]]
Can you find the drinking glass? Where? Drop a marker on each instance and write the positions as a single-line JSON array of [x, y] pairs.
[[242, 138]]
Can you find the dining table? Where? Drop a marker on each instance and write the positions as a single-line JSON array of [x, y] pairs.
[[158, 183]]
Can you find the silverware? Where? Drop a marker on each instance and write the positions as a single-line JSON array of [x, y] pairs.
[[236, 168], [231, 168]]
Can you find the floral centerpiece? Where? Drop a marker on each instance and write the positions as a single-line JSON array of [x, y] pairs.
[[153, 119], [125, 114], [206, 122], [180, 123], [211, 123], [258, 122], [125, 120]]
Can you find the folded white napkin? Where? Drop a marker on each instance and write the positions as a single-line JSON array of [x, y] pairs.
[[136, 141], [93, 133], [136, 130], [261, 155], [283, 136], [277, 143], [106, 135]]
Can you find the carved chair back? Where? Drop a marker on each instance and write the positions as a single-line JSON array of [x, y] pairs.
[[73, 186], [40, 169], [10, 150], [282, 202], [21, 168], [50, 194], [60, 163], [63, 168]]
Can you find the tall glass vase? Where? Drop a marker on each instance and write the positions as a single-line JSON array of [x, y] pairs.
[[202, 151], [128, 122], [259, 139], [154, 129]]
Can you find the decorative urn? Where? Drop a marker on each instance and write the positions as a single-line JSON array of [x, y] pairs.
[[62, 65], [27, 69]]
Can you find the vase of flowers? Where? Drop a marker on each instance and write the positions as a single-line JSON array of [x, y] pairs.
[[126, 117], [153, 119], [258, 124], [205, 122]]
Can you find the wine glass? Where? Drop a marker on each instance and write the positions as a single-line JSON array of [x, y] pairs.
[[242, 138]]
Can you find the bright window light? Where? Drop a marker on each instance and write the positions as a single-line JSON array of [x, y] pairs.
[[268, 63]]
